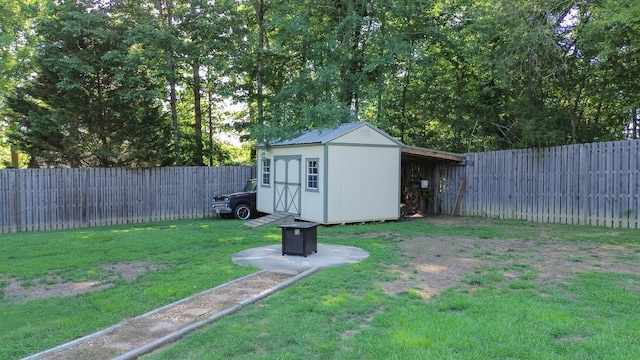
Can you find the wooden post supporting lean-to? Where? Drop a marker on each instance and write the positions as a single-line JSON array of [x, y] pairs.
[[463, 183]]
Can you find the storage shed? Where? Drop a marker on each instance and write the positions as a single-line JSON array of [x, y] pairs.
[[350, 173]]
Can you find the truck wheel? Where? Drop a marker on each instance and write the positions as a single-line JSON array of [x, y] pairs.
[[242, 212]]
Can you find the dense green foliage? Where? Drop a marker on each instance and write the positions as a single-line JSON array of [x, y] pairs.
[[93, 101], [155, 79], [457, 74]]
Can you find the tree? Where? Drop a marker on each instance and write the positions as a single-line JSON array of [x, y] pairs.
[[95, 101], [209, 32], [607, 40], [457, 75], [16, 52]]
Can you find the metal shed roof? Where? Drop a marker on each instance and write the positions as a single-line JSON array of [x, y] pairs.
[[324, 136]]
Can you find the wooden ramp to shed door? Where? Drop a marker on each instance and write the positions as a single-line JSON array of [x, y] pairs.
[[272, 219]]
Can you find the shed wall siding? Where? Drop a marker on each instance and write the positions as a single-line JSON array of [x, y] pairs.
[[363, 183], [312, 201], [264, 194]]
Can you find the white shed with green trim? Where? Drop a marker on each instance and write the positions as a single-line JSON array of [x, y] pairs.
[[346, 174]]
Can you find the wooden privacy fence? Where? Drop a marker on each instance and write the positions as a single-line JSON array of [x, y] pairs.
[[590, 184], [48, 199]]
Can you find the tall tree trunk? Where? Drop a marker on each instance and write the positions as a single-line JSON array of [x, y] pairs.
[[197, 156], [354, 44], [172, 89], [381, 73], [573, 118], [404, 120], [260, 12], [174, 116], [15, 159], [634, 124], [210, 121]]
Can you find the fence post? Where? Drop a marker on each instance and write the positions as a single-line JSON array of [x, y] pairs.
[[584, 190], [513, 173], [16, 200], [456, 209]]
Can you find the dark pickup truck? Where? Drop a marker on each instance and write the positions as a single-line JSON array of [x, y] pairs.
[[241, 205]]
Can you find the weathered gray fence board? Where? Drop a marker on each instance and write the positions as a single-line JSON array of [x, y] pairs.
[[594, 184], [50, 199], [448, 186]]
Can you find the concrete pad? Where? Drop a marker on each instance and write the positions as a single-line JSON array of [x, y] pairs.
[[328, 255]]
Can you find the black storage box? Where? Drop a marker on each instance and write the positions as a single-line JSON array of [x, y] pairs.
[[299, 238]]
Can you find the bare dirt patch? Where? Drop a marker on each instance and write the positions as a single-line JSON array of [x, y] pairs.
[[54, 286], [433, 264]]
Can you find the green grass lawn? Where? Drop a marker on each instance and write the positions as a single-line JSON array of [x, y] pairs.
[[338, 313]]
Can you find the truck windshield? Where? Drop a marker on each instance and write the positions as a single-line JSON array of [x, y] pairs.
[[250, 185]]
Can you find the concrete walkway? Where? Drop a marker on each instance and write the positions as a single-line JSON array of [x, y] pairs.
[[143, 334]]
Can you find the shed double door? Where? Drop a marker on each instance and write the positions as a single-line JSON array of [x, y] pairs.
[[287, 180]]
